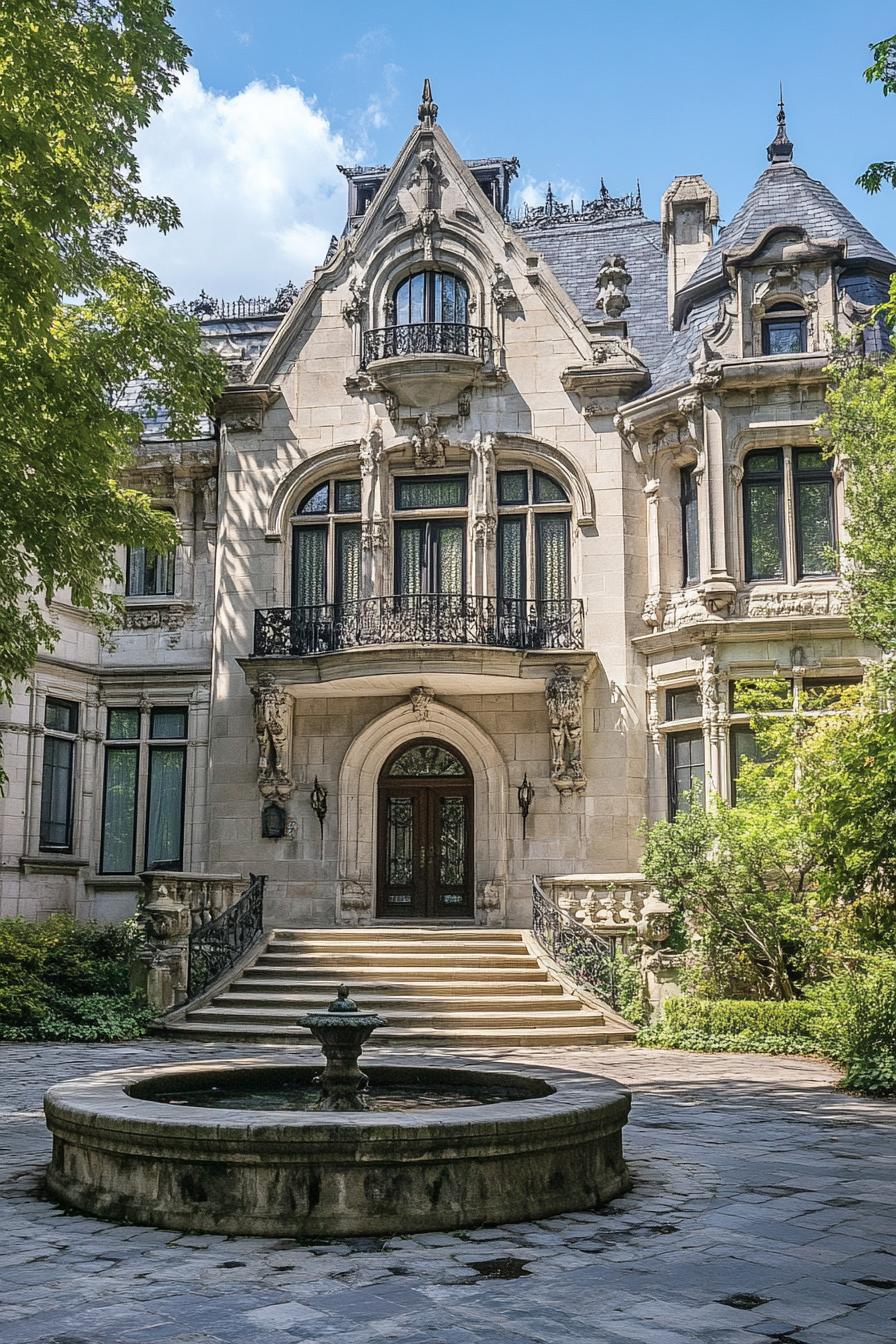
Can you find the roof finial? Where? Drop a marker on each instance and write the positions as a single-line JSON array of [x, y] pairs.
[[781, 150], [428, 110]]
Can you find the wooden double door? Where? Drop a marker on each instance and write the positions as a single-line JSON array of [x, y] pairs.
[[425, 835]]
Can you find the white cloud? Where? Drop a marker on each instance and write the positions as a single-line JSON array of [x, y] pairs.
[[255, 177]]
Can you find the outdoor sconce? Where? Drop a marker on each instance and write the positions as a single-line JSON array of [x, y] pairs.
[[318, 801], [273, 821], [525, 793]]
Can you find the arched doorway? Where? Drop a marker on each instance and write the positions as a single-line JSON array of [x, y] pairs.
[[425, 834]]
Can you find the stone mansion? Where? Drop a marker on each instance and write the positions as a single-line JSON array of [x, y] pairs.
[[494, 515]]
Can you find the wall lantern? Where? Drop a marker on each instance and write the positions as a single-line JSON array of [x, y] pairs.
[[525, 794], [318, 801], [273, 821]]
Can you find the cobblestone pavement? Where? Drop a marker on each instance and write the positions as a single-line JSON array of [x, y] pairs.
[[763, 1209]]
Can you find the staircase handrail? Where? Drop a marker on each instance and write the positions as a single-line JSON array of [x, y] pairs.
[[219, 945], [587, 958]]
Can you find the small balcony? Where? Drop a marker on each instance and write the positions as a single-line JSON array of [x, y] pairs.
[[426, 363], [442, 619]]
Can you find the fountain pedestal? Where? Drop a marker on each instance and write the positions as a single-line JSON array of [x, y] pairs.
[[341, 1032]]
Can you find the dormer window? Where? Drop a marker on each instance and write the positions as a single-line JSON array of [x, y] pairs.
[[784, 330], [431, 296]]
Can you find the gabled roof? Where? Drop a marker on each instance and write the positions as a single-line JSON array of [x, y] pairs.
[[786, 194]]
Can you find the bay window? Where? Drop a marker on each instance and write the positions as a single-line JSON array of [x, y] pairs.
[[430, 535], [533, 538], [326, 545]]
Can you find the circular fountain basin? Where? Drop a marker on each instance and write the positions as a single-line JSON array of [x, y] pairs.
[[551, 1143]]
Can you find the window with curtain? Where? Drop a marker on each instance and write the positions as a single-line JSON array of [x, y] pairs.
[[789, 514], [57, 779], [690, 528], [431, 296], [148, 574], [533, 556], [154, 742], [326, 545], [430, 535]]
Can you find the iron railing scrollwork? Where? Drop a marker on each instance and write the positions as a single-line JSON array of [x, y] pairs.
[[217, 946], [426, 338], [438, 618], [588, 959]]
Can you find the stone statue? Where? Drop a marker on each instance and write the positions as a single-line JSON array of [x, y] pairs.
[[428, 442], [611, 283], [273, 731], [564, 695]]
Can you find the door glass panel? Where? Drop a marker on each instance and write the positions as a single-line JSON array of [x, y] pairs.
[[309, 566], [399, 848], [553, 557], [452, 847], [348, 563], [427, 761], [450, 558], [511, 571]]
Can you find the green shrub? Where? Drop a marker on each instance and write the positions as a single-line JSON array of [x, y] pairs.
[[767, 1027], [629, 988], [65, 979], [857, 1017]]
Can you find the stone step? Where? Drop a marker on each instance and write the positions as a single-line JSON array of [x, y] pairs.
[[241, 996], [368, 991], [398, 957], [220, 1012], [386, 932], [296, 968], [585, 1035], [411, 943]]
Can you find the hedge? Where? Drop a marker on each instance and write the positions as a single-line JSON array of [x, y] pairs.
[[766, 1027]]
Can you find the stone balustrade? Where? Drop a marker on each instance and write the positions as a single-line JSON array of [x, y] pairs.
[[172, 906], [610, 903]]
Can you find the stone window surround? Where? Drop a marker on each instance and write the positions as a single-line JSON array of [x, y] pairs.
[[343, 460], [401, 257], [359, 776], [81, 692], [182, 573]]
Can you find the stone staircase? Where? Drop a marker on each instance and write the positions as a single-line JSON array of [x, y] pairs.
[[445, 986]]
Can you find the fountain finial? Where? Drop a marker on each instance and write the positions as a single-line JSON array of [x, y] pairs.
[[342, 1002]]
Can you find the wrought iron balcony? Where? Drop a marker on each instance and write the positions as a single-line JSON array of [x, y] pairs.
[[295, 632], [426, 338]]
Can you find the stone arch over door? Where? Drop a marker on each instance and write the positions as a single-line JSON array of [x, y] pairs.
[[358, 786]]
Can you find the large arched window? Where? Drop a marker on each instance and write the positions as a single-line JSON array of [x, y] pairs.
[[326, 545], [533, 537], [431, 296]]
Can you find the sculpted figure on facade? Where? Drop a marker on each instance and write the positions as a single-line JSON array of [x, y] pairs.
[[483, 487], [611, 283], [428, 442], [564, 695], [273, 732]]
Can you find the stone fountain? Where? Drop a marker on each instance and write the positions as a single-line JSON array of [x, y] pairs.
[[342, 1031], [256, 1147]]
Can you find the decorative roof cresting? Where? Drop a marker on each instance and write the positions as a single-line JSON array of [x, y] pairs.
[[428, 110], [781, 148]]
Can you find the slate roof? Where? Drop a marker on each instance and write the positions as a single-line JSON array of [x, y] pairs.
[[575, 253], [786, 194]]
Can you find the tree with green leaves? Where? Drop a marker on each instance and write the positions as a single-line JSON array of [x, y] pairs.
[[882, 70], [80, 325]]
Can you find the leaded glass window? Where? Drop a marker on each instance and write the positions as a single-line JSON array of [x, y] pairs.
[[764, 514], [430, 492], [452, 847], [533, 539], [326, 547], [431, 296], [426, 761], [399, 848]]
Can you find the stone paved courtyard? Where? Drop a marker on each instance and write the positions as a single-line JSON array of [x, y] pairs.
[[764, 1208]]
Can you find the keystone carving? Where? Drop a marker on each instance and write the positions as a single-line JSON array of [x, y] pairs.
[[421, 697], [428, 442], [564, 695], [273, 731]]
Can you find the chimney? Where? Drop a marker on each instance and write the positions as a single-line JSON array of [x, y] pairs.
[[688, 211]]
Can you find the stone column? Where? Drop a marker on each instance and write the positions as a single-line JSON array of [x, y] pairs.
[[483, 513]]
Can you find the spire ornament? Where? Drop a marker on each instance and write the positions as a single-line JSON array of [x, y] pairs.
[[781, 148], [428, 110]]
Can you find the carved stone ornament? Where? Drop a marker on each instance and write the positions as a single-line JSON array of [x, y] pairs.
[[427, 223], [652, 611], [428, 178], [428, 442], [354, 307], [421, 697], [564, 695], [355, 903], [371, 450], [653, 711], [503, 293], [273, 731], [612, 281], [490, 904]]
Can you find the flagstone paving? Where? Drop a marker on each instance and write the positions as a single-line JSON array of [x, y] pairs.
[[764, 1208]]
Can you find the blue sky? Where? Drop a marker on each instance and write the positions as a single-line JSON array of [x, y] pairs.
[[577, 90]]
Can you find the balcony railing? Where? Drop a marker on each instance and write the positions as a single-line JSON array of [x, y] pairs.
[[426, 338], [486, 622]]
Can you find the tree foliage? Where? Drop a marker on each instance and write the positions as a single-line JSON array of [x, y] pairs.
[[80, 325], [882, 70]]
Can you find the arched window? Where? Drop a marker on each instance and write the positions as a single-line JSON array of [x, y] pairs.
[[533, 537], [431, 296], [788, 543], [784, 329], [326, 545], [148, 574]]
